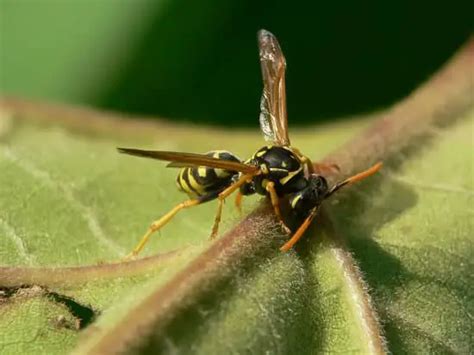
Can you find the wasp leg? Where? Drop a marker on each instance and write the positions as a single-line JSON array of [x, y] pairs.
[[276, 205], [305, 161], [158, 224], [355, 178], [301, 229], [319, 168], [222, 196], [238, 201]]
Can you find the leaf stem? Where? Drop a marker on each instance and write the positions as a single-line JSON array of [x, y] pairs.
[[59, 276]]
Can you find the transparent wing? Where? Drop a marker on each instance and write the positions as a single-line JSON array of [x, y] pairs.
[[273, 117], [179, 160]]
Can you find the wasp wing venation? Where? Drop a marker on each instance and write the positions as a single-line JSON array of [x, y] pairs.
[[273, 115], [266, 119], [181, 159], [175, 164]]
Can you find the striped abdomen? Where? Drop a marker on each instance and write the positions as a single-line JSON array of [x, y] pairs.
[[199, 181]]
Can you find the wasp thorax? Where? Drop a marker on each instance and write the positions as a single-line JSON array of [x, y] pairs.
[[281, 166]]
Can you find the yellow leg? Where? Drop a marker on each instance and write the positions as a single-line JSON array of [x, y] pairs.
[[156, 225], [299, 233], [238, 201], [320, 168], [276, 205], [305, 161], [222, 196]]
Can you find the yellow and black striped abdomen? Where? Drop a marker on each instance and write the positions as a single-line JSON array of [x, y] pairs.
[[202, 180]]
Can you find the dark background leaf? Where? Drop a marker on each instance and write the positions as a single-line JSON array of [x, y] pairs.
[[198, 60]]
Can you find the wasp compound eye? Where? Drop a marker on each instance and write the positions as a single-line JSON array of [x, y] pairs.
[[319, 184]]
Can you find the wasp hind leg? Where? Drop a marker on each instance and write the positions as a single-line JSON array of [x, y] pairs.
[[159, 223], [221, 198]]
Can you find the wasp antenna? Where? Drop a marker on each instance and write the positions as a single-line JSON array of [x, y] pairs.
[[355, 178]]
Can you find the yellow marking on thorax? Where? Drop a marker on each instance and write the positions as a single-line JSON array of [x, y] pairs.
[[278, 169], [264, 168], [296, 153], [284, 180]]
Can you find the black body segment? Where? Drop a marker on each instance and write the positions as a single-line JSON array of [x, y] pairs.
[[280, 165], [201, 180], [303, 201]]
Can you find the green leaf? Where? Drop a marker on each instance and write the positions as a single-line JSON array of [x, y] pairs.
[[386, 266], [68, 198], [413, 241]]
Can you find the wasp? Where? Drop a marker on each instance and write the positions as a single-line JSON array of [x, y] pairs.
[[275, 170]]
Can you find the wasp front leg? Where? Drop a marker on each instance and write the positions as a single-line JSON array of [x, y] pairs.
[[270, 187], [300, 231], [238, 201]]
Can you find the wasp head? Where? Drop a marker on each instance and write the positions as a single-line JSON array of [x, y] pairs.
[[311, 196]]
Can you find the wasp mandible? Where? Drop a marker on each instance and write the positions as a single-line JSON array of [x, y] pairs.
[[275, 170]]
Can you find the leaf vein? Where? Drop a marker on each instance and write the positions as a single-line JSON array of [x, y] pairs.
[[22, 250], [85, 212], [431, 186]]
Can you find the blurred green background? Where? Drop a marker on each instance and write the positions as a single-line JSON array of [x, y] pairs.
[[198, 61]]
